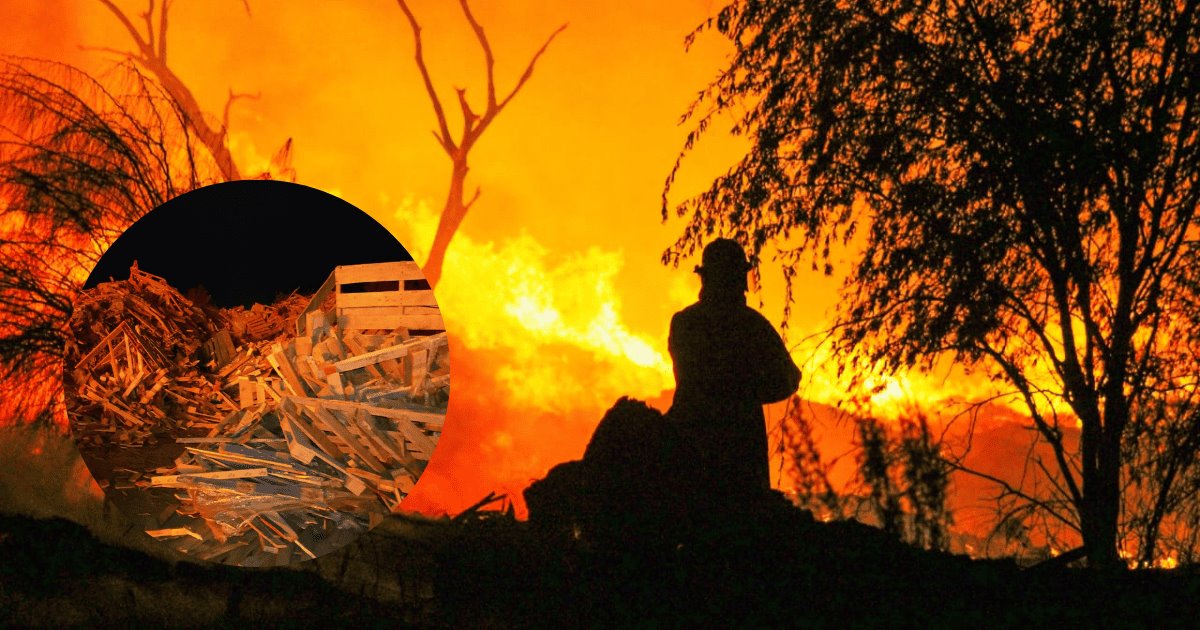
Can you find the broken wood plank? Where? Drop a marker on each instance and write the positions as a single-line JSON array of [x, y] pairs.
[[246, 392], [332, 424], [221, 440], [315, 303], [432, 420], [419, 367], [372, 437], [337, 387], [396, 298], [244, 473], [395, 447], [384, 318], [124, 415], [376, 272], [173, 532], [317, 437], [352, 344], [283, 367], [212, 554], [371, 358], [403, 480], [303, 345], [137, 380], [242, 459], [298, 445]]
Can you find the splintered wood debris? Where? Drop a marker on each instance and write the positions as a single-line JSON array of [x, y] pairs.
[[290, 442]]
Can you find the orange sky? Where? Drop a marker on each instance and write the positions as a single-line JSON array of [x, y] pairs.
[[553, 285]]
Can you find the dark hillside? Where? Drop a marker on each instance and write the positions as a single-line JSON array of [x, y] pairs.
[[775, 567]]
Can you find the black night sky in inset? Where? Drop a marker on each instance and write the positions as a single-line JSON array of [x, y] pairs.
[[248, 241]]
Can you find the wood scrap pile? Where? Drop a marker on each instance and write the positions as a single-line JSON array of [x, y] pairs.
[[289, 444], [151, 306], [138, 380], [261, 321]]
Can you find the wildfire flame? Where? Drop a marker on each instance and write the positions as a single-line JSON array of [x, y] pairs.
[[546, 352], [514, 297]]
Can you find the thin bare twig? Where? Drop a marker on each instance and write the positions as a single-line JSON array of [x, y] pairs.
[[473, 126], [444, 129], [152, 55]]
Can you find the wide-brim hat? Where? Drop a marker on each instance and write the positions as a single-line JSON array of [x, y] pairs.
[[724, 256]]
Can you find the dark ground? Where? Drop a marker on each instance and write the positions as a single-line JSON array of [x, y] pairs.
[[776, 568]]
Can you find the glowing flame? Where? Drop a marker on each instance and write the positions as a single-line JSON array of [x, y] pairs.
[[515, 297], [944, 389]]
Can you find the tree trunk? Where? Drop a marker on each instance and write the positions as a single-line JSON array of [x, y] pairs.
[[1100, 518], [1102, 491], [213, 139], [452, 216]]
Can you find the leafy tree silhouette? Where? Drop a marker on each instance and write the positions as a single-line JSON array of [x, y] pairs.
[[1021, 176], [802, 461], [901, 482], [79, 162]]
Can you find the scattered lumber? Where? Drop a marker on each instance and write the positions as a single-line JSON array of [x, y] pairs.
[[289, 432]]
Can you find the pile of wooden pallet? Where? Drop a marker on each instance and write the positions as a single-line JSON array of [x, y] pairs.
[[261, 321], [289, 443], [134, 377]]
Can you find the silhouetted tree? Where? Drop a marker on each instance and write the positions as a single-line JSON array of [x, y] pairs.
[[1022, 178], [901, 481], [79, 162], [1162, 447], [804, 464], [474, 124], [926, 475], [906, 479], [151, 54], [875, 470]]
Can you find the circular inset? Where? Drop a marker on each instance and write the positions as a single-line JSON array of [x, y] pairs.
[[259, 373]]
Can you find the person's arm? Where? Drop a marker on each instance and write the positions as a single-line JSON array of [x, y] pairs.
[[776, 372], [673, 347]]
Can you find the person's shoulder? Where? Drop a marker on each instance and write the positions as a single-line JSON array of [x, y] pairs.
[[748, 312], [754, 320], [689, 312], [681, 321]]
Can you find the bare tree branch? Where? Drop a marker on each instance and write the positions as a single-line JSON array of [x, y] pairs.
[[1053, 435], [529, 68], [469, 117], [473, 198], [488, 58], [474, 124], [106, 49], [233, 96], [1009, 489], [133, 32], [162, 29], [443, 133], [152, 55]]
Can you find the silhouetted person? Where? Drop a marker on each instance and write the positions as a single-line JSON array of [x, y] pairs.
[[728, 361]]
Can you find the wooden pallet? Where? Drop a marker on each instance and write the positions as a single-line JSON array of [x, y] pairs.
[[380, 296]]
